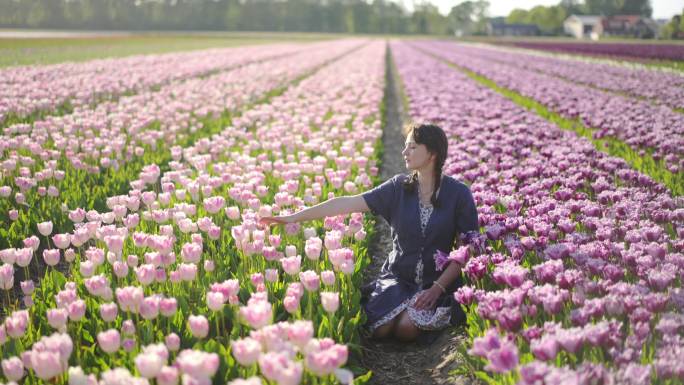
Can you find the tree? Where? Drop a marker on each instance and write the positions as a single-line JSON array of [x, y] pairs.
[[548, 19], [518, 16], [675, 28], [572, 7], [619, 7], [469, 17]]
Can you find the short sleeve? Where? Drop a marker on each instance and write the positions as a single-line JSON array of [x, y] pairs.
[[381, 200], [466, 212]]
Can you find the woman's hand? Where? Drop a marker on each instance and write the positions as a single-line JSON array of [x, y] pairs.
[[283, 219], [428, 298]]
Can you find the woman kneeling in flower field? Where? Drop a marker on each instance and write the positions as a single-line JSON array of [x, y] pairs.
[[426, 211]]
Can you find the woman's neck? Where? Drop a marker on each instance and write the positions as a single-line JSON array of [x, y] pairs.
[[426, 179]]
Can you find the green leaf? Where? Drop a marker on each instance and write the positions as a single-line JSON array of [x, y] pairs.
[[363, 379], [85, 335], [323, 327]]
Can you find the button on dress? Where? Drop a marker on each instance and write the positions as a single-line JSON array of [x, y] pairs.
[[417, 232]]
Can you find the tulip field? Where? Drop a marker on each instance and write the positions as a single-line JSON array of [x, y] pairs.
[[131, 190]]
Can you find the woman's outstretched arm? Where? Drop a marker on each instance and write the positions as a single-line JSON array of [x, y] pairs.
[[329, 208]]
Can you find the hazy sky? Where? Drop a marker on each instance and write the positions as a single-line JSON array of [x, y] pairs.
[[662, 9]]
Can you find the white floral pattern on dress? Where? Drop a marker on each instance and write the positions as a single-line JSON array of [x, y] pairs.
[[436, 319], [425, 212]]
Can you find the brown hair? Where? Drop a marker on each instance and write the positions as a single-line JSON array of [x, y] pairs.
[[434, 138]]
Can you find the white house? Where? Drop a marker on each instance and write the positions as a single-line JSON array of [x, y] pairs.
[[581, 26]]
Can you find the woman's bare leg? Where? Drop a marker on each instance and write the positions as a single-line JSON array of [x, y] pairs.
[[405, 330], [385, 330]]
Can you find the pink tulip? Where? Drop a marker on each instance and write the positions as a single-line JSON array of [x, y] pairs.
[[146, 274], [45, 228], [330, 301], [149, 307], [300, 332], [191, 252], [27, 287], [209, 265], [215, 300], [257, 279], [46, 364], [108, 311], [13, 368], [32, 242], [271, 363], [257, 314], [128, 328], [328, 277], [197, 364], [57, 318], [62, 241], [188, 271], [24, 256], [172, 342], [324, 356], [503, 359], [271, 275], [109, 340], [149, 365], [128, 344], [199, 326], [310, 280], [291, 265], [77, 310], [313, 248], [291, 304], [51, 256], [246, 351], [6, 276], [168, 306], [168, 375], [233, 212]]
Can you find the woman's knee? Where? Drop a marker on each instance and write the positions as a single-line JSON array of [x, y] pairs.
[[406, 330], [385, 330]]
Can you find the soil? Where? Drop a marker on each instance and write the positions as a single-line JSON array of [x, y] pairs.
[[394, 362]]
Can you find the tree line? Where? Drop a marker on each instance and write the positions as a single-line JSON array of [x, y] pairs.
[[337, 16], [343, 16]]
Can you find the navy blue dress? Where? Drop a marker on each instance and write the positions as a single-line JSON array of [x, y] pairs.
[[402, 276]]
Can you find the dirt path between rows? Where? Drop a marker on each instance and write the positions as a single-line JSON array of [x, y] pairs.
[[393, 362]]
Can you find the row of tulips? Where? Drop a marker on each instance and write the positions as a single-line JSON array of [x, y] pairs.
[[36, 90], [641, 51], [657, 130], [661, 87], [177, 281], [46, 165], [576, 277]]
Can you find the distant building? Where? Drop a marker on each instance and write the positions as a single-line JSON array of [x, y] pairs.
[[581, 26], [627, 26], [495, 27], [593, 26]]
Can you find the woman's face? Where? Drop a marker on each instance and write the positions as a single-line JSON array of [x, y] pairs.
[[416, 156]]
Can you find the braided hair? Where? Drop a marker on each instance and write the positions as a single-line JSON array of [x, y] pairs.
[[434, 138]]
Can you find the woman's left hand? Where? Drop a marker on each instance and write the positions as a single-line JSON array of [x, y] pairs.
[[428, 298]]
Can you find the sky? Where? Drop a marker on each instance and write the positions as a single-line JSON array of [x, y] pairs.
[[662, 9]]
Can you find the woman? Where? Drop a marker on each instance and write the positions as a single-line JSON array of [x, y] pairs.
[[426, 211]]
